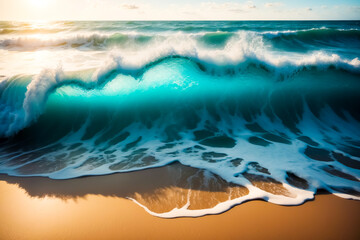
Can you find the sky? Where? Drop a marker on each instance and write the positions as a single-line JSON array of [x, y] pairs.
[[179, 10]]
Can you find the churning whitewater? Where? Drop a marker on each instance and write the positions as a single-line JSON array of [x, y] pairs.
[[249, 102]]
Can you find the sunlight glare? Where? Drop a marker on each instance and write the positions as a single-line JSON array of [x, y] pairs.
[[40, 3]]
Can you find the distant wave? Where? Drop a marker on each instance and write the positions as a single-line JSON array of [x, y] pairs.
[[28, 31], [92, 41], [217, 48], [138, 40], [316, 34]]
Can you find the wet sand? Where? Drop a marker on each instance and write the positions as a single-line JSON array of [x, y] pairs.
[[97, 208]]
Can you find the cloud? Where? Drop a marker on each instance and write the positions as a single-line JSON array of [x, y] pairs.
[[273, 4], [130, 6], [228, 6], [251, 5]]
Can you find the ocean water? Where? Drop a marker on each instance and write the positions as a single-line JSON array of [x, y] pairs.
[[247, 101]]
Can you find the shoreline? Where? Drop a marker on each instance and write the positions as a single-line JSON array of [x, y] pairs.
[[170, 191], [99, 217], [98, 208]]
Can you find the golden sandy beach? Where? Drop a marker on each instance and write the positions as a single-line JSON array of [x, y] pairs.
[[96, 208]]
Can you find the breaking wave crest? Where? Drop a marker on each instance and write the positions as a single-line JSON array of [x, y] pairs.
[[48, 80]]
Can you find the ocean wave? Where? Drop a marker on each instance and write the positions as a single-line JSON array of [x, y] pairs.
[[126, 40], [29, 31], [326, 35], [24, 28], [238, 55], [81, 41], [224, 46], [41, 85]]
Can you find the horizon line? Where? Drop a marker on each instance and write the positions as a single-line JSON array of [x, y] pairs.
[[172, 20]]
